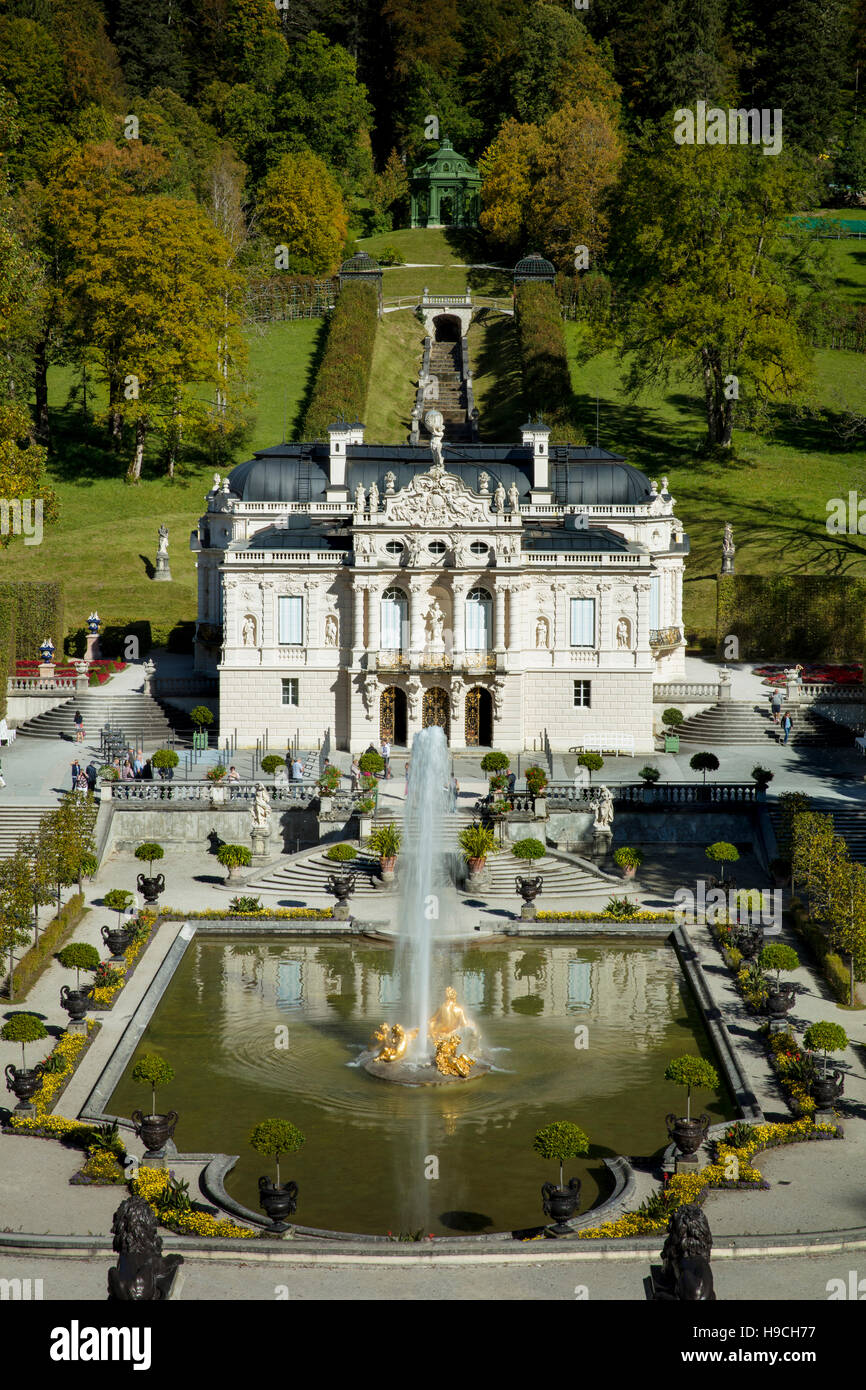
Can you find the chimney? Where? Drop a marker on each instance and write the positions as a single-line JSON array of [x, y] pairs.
[[535, 436], [340, 435]]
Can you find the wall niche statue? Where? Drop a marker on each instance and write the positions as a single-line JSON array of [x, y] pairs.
[[248, 631], [331, 630], [542, 633], [623, 634]]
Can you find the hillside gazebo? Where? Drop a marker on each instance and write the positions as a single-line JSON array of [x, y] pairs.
[[446, 190], [362, 267]]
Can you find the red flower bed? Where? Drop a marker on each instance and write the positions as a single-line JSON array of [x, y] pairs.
[[850, 674]]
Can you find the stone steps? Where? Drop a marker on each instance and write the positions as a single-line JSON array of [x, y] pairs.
[[741, 722], [141, 717], [17, 821], [850, 824]]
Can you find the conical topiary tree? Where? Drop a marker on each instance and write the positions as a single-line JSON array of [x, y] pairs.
[[273, 1138], [692, 1071], [78, 956], [559, 1142], [825, 1037], [23, 1028]]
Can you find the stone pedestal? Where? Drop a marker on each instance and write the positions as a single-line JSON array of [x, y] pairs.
[[46, 670], [602, 839], [26, 1109], [826, 1117], [780, 1025], [528, 912], [162, 570], [725, 685], [77, 1025], [341, 912], [160, 1158], [91, 650], [260, 836]]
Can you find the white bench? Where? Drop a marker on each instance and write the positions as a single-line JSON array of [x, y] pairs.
[[619, 744]]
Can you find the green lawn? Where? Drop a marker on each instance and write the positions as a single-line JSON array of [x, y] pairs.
[[106, 536], [775, 491], [394, 377], [496, 379], [442, 259]]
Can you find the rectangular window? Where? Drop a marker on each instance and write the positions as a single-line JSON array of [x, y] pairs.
[[290, 691], [291, 624], [583, 622], [655, 602], [582, 694], [392, 613]]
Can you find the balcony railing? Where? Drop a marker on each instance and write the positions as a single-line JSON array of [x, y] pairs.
[[686, 690], [479, 661], [392, 661], [666, 637], [203, 792]]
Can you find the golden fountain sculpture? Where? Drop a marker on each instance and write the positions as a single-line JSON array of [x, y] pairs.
[[393, 1040]]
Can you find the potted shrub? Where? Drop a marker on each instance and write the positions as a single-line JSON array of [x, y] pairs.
[[118, 938], [385, 842], [23, 1081], [494, 762], [371, 763], [329, 781], [153, 1071], [164, 760], [476, 841], [149, 886], [593, 762], [826, 1037], [671, 720], [778, 956], [234, 858], [216, 775], [270, 762], [77, 956], [559, 1142], [108, 773], [202, 718], [628, 859], [689, 1071], [722, 853], [536, 780], [704, 762], [649, 775], [272, 1138], [762, 777]]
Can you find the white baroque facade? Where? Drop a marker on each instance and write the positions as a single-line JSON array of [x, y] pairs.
[[511, 593]]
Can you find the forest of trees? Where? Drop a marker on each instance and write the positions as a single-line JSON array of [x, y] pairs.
[[155, 153]]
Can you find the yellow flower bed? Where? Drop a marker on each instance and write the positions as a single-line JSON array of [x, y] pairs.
[[55, 1125], [274, 914], [604, 917], [103, 1166], [689, 1187], [106, 994], [151, 1183]]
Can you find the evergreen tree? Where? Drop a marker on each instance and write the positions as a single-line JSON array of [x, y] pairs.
[[806, 68], [149, 42], [322, 106], [558, 65]]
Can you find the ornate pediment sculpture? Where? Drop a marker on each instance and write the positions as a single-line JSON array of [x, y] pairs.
[[437, 498]]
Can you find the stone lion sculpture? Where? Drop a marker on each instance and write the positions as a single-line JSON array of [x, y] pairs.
[[686, 1273], [142, 1273]]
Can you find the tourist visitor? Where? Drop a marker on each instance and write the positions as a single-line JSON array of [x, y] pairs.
[[91, 776], [512, 782], [78, 721], [454, 790], [355, 773], [81, 781], [297, 770], [147, 771], [406, 785], [786, 725], [126, 771], [385, 750], [138, 763], [776, 706], [233, 774], [76, 768]]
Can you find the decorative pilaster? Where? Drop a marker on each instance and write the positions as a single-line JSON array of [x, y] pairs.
[[375, 616], [499, 618], [459, 636], [358, 621], [416, 619]]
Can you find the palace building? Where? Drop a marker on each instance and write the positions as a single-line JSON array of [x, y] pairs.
[[523, 595]]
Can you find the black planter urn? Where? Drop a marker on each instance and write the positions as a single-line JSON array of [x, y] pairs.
[[23, 1082], [155, 1130], [825, 1089], [150, 888], [750, 942], [529, 889], [688, 1135], [278, 1202], [342, 886], [76, 1001], [561, 1204], [117, 939], [780, 1000]]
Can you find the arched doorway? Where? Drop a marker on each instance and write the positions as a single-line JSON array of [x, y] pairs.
[[479, 718], [435, 709], [393, 724], [446, 210], [447, 328]]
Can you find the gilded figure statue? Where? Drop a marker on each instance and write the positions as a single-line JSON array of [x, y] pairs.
[[448, 1061], [392, 1040]]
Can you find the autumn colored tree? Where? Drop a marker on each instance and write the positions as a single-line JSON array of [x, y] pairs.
[[559, 65], [159, 299], [576, 166], [301, 207], [507, 170]]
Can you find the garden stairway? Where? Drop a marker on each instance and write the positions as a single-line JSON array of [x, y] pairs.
[[143, 719], [451, 398], [849, 823], [17, 821], [741, 722]]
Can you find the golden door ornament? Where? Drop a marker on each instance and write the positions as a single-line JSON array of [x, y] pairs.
[[473, 717], [386, 715], [435, 709]]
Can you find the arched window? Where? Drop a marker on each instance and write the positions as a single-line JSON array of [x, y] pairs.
[[394, 611], [479, 626]]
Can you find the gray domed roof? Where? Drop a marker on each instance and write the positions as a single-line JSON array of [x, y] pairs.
[[359, 264], [534, 267], [280, 477], [597, 483]]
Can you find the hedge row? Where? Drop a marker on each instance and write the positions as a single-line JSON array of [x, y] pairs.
[[343, 377], [544, 362], [114, 633], [792, 617], [38, 614], [7, 645], [34, 960], [832, 966]]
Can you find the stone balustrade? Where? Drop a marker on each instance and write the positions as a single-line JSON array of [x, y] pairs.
[[40, 685], [202, 792], [686, 691]]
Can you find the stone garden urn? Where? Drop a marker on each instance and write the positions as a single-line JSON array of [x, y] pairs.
[[780, 999], [117, 939], [278, 1202], [750, 942], [342, 885], [23, 1082], [529, 889], [560, 1204], [150, 887], [76, 1001], [688, 1135], [824, 1089], [155, 1130]]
